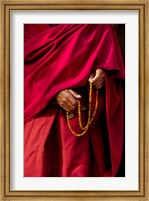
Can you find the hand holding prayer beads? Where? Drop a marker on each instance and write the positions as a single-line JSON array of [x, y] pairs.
[[97, 79], [67, 99]]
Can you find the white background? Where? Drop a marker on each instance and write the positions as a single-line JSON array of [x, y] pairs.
[[130, 181]]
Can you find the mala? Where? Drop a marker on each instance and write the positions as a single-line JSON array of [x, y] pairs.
[[90, 118]]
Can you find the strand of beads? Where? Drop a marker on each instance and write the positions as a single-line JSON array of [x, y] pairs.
[[89, 110], [90, 119]]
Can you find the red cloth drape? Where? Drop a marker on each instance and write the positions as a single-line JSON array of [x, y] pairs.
[[63, 57]]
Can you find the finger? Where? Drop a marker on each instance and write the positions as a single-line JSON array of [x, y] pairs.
[[91, 77], [70, 101], [67, 106], [74, 94], [70, 106], [99, 81], [97, 76], [66, 100], [99, 85]]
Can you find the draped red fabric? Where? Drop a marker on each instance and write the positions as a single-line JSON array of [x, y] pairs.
[[61, 57]]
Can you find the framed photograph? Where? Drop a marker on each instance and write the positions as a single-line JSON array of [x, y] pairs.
[[52, 52]]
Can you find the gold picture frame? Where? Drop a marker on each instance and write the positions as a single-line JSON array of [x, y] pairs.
[[6, 7]]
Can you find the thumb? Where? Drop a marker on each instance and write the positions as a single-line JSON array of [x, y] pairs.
[[74, 93], [91, 77], [96, 77]]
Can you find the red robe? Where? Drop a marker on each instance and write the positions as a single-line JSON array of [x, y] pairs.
[[59, 58]]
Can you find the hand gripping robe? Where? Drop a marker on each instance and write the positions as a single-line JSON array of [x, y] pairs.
[[63, 57]]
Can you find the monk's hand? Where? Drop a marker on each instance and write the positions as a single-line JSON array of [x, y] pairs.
[[97, 79], [67, 99]]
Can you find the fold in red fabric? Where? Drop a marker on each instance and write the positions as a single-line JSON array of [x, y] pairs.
[[59, 58]]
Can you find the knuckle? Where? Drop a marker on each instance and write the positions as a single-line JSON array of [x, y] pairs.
[[74, 103], [63, 100], [62, 104], [65, 96]]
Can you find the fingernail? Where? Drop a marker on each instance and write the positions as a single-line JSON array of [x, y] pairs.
[[79, 96]]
